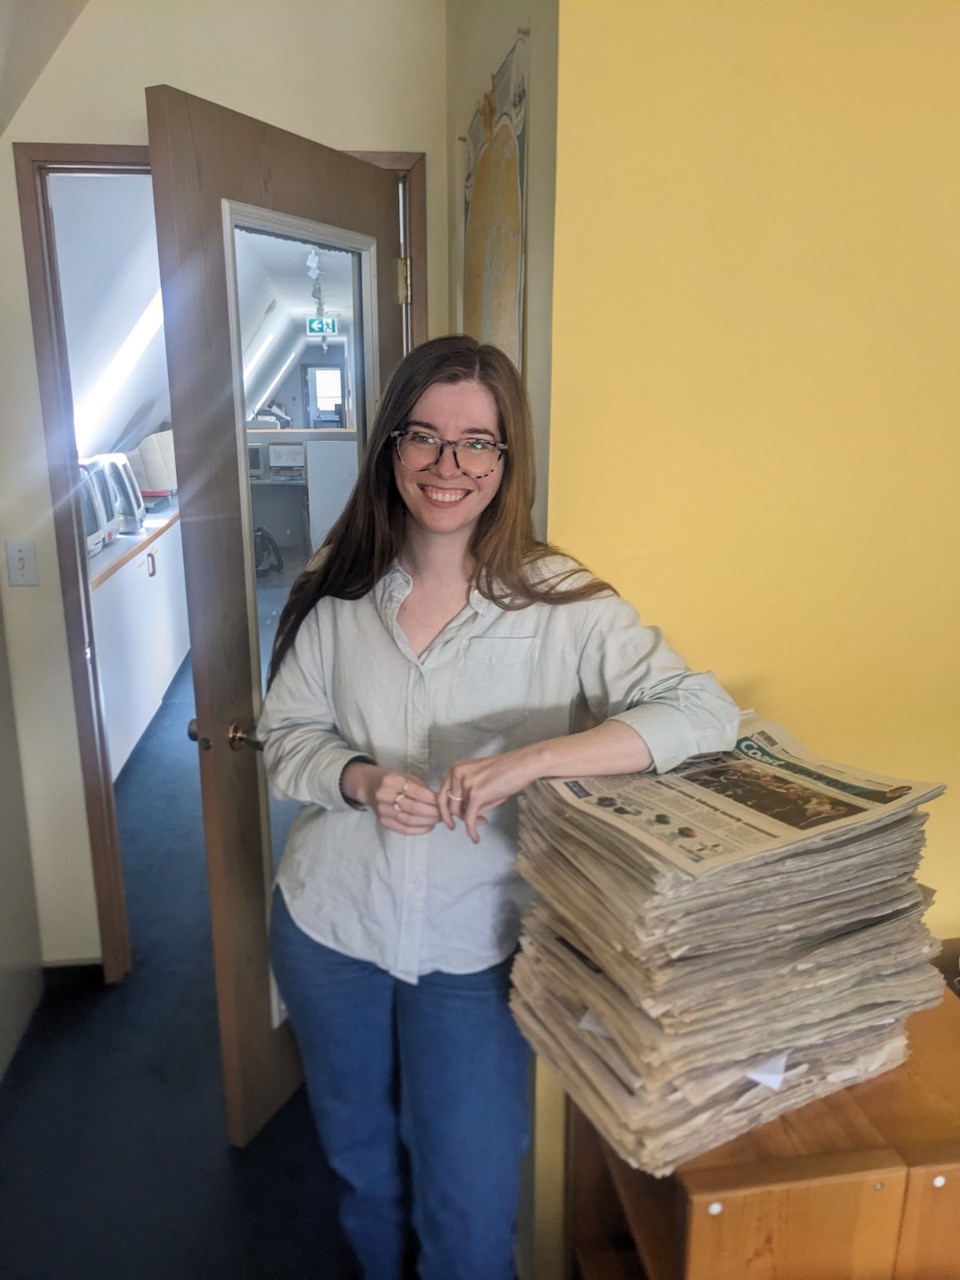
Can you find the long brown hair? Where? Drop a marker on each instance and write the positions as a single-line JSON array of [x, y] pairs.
[[368, 536]]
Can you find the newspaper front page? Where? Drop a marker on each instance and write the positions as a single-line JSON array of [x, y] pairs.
[[764, 795]]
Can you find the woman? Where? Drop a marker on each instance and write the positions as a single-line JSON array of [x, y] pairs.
[[433, 661]]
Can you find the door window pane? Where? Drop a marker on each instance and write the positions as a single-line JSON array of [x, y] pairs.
[[299, 310]]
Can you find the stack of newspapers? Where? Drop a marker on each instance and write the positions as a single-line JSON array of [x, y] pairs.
[[714, 946]]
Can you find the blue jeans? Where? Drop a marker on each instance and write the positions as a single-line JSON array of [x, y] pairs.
[[420, 1097]]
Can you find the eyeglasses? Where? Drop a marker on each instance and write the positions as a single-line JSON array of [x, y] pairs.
[[474, 456]]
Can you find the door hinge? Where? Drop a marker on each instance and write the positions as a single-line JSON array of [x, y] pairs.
[[404, 281]]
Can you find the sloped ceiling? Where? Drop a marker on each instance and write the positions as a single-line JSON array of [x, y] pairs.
[[107, 264], [30, 32], [275, 296], [109, 282]]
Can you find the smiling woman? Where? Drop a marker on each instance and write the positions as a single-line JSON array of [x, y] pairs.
[[432, 661], [448, 467]]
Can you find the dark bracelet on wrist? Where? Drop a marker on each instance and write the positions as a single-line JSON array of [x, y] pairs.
[[354, 804]]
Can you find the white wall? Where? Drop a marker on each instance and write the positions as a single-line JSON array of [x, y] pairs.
[[30, 31], [368, 75], [19, 933]]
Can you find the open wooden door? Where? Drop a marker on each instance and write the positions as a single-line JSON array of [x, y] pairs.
[[213, 168]]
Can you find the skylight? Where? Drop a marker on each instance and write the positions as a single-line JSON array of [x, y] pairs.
[[92, 409]]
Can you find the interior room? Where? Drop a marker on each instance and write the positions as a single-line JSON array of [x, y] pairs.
[[775, 331], [301, 465]]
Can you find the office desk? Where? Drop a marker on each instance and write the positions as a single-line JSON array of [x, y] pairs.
[[280, 506]]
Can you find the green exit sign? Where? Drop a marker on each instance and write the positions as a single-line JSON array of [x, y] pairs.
[[318, 326]]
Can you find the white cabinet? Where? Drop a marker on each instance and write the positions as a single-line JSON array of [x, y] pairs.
[[331, 473], [140, 625]]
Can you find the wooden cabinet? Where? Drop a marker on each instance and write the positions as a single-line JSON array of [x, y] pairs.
[[140, 625], [862, 1185]]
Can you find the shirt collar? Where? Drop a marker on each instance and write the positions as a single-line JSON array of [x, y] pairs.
[[396, 584]]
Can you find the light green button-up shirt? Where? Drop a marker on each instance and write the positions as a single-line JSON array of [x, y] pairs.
[[492, 680]]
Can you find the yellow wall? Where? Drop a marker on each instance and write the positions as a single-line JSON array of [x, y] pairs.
[[756, 386], [336, 72]]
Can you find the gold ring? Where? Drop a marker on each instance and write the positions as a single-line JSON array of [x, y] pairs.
[[403, 789], [396, 804]]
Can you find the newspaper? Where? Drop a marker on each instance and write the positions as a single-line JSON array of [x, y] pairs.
[[658, 1134], [721, 809], [714, 946]]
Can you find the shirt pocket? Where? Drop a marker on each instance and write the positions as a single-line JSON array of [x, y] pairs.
[[492, 687]]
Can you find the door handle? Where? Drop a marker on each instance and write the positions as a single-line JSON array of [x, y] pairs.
[[237, 737], [151, 564]]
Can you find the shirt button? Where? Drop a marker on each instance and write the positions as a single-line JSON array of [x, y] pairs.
[[414, 884]]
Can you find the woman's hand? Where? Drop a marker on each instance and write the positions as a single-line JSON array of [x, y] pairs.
[[473, 787], [402, 802]]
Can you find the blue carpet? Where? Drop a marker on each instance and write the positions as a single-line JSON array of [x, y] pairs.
[[114, 1161]]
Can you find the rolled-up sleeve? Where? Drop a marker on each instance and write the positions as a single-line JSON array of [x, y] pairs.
[[628, 672], [303, 750]]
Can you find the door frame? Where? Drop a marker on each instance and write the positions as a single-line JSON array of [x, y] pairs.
[[34, 162]]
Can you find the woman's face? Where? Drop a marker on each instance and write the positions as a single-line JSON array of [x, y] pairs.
[[442, 500]]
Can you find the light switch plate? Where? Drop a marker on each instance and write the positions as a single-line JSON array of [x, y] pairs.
[[22, 562]]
